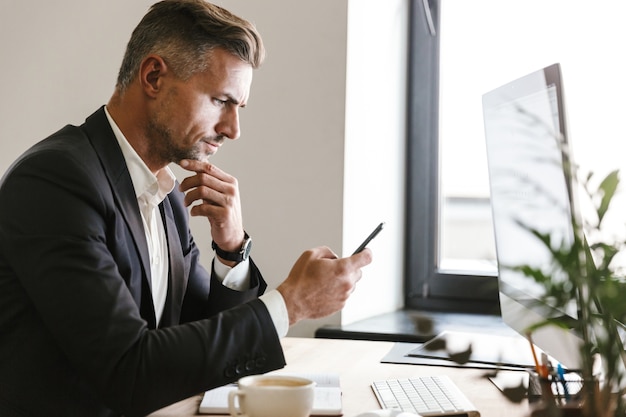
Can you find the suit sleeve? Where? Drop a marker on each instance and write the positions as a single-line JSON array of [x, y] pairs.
[[56, 238]]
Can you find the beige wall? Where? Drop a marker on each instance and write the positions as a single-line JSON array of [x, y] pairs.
[[321, 156]]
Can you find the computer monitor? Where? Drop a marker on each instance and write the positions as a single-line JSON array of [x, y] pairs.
[[528, 153]]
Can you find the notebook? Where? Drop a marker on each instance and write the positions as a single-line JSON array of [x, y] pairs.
[[327, 400]]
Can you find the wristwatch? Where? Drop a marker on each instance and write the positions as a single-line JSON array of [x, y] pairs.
[[241, 255]]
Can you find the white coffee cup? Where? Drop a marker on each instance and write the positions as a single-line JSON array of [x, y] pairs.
[[272, 396]]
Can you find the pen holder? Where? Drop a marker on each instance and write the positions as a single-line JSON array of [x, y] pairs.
[[554, 396]]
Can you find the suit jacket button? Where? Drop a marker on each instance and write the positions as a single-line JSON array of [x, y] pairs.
[[261, 361], [239, 369], [249, 365], [229, 372]]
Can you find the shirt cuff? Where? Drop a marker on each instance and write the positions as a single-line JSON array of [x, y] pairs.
[[236, 278], [275, 304]]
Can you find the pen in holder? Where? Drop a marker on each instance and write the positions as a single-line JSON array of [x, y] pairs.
[[554, 391]]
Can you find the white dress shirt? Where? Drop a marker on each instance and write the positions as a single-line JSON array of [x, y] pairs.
[[151, 190]]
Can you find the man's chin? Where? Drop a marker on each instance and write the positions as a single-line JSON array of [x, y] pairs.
[[196, 156]]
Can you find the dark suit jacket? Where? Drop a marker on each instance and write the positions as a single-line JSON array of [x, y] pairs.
[[77, 326]]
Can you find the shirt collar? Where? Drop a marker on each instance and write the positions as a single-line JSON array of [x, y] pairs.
[[152, 188]]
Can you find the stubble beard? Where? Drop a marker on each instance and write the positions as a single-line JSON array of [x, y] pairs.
[[164, 145]]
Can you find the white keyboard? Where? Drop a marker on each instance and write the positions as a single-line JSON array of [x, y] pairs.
[[424, 395]]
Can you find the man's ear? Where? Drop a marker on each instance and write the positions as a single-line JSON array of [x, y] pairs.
[[151, 71]]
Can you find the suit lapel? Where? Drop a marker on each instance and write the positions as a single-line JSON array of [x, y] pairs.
[[103, 140], [177, 280]]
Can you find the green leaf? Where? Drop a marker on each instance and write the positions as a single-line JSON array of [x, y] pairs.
[[563, 323], [515, 394], [463, 356], [532, 272], [607, 189], [423, 324], [436, 344]]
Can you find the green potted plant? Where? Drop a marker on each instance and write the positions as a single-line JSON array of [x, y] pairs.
[[590, 278], [597, 287]]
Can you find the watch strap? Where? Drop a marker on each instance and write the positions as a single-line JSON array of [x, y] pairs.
[[238, 256]]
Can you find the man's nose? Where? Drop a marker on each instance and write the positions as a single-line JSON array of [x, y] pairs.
[[229, 124]]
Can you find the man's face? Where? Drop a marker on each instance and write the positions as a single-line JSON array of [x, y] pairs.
[[190, 119]]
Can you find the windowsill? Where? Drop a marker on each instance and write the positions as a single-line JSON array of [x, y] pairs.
[[401, 326]]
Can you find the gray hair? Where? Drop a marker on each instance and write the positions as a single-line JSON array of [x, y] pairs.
[[182, 32]]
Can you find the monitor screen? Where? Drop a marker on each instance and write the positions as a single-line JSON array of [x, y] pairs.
[[527, 154]]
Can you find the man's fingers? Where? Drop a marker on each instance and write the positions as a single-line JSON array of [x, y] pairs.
[[210, 184], [204, 167], [207, 194], [216, 197], [193, 165], [361, 259], [324, 252]]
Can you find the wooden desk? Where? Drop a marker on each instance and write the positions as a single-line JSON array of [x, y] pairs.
[[358, 364]]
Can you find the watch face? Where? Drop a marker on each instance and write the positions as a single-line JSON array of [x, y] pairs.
[[247, 247]]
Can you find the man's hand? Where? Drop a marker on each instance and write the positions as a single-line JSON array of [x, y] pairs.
[[218, 194], [319, 284]]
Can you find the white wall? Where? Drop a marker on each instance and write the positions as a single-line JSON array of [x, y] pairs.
[[320, 160], [374, 149]]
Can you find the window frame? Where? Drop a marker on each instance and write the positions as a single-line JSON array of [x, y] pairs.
[[426, 286]]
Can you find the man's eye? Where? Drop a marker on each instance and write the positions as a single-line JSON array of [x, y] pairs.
[[220, 102]]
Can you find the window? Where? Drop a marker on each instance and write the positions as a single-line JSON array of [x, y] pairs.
[[461, 49]]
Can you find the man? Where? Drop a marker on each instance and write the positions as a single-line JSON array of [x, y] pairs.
[[105, 309]]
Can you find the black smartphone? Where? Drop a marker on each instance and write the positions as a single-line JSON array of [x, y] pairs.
[[369, 238]]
